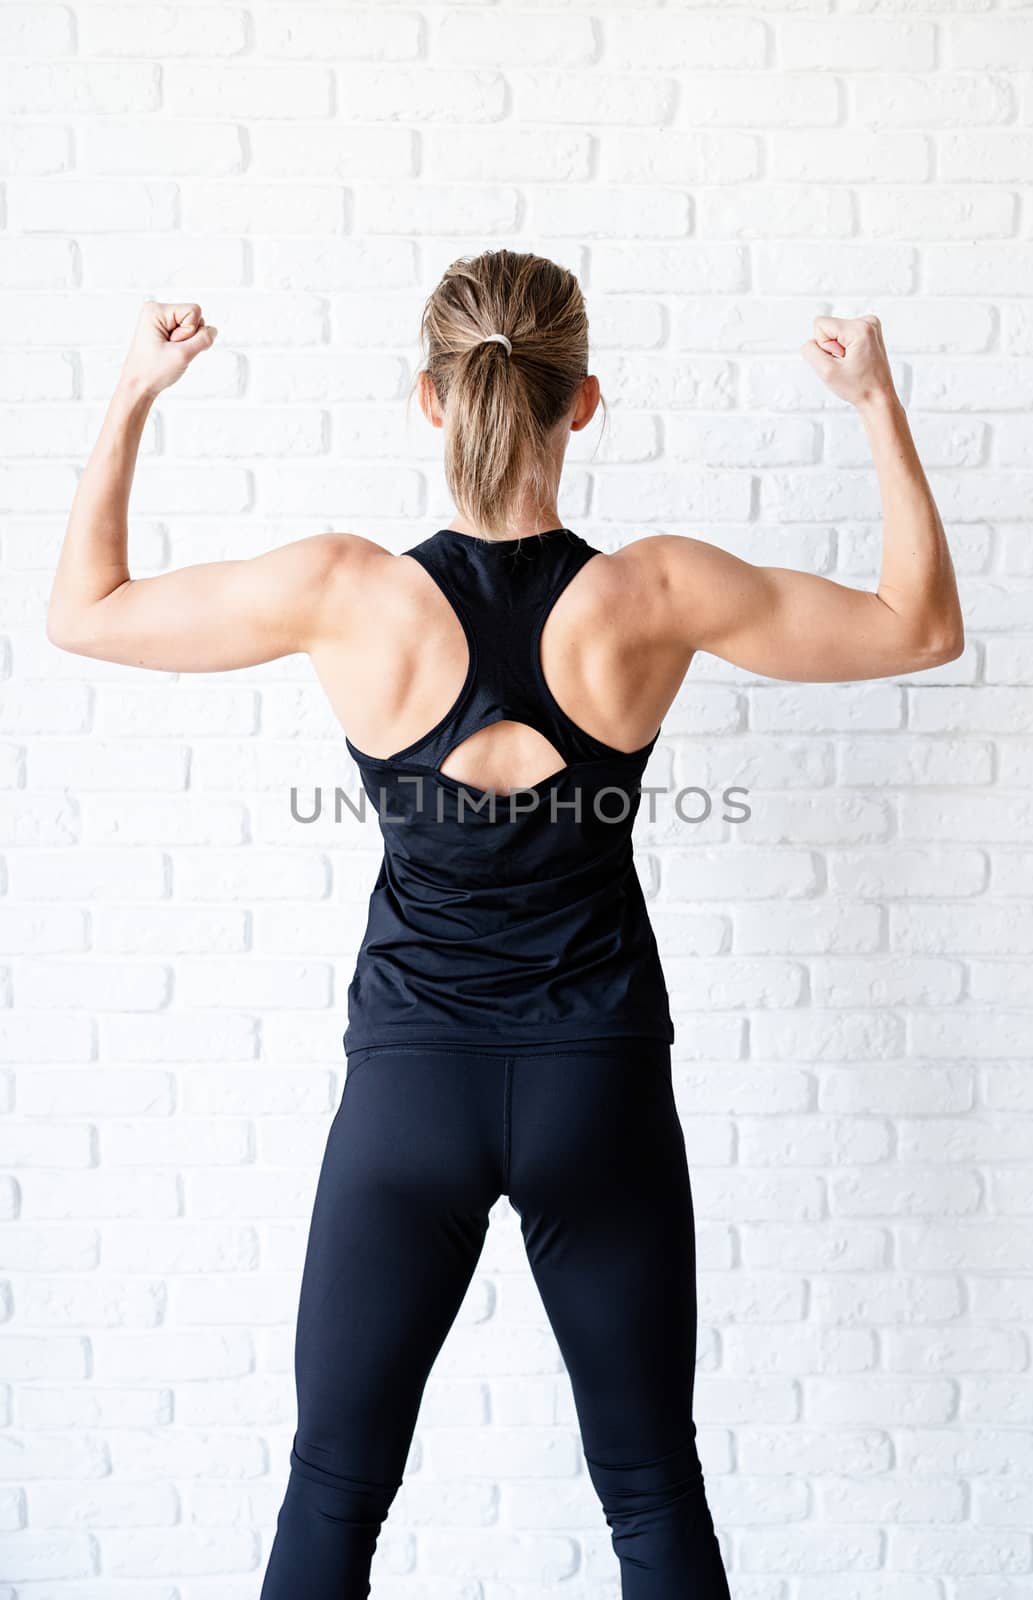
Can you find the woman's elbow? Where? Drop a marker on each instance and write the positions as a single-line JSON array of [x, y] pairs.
[[67, 632], [59, 633], [945, 644]]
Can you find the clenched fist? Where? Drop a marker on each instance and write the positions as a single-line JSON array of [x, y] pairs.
[[167, 339], [849, 356]]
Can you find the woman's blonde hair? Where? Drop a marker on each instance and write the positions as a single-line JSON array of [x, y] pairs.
[[499, 407]]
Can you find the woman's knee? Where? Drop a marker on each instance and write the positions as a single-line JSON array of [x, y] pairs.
[[629, 1488], [363, 1501]]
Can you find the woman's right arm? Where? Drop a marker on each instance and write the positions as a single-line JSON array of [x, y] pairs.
[[797, 625]]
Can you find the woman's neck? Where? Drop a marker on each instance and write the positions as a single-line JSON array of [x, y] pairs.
[[523, 526]]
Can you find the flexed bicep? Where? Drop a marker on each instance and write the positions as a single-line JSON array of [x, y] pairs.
[[786, 624], [210, 617], [804, 627]]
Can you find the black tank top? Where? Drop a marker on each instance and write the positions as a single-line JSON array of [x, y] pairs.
[[495, 918]]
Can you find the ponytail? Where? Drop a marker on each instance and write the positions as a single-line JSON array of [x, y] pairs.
[[500, 406]]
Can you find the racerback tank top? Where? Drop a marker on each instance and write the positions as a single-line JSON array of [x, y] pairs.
[[502, 918]]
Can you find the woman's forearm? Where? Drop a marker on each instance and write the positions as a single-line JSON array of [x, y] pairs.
[[916, 579], [94, 555], [94, 558]]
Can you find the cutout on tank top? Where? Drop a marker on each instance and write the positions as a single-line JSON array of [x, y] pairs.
[[473, 761]]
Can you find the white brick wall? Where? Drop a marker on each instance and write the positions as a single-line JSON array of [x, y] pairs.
[[849, 969]]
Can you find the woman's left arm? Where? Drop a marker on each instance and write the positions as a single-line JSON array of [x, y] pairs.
[[206, 618]]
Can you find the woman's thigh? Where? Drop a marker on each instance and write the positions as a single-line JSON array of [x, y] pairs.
[[409, 1174], [598, 1174]]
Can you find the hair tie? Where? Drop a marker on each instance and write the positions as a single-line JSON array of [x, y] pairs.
[[500, 338]]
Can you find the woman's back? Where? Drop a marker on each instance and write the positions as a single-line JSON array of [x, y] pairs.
[[503, 906], [399, 658]]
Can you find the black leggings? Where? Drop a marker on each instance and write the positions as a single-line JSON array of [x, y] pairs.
[[585, 1141]]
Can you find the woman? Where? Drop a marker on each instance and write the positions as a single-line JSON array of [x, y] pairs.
[[508, 1024]]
